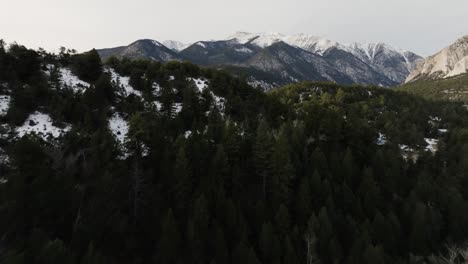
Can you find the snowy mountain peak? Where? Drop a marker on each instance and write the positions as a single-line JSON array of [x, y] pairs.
[[369, 51], [259, 39], [241, 37], [175, 45], [150, 41], [311, 43]]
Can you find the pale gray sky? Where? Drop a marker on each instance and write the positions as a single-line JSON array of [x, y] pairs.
[[422, 26]]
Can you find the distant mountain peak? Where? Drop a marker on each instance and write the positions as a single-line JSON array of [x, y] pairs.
[[263, 39], [149, 41], [312, 43], [142, 48], [175, 45]]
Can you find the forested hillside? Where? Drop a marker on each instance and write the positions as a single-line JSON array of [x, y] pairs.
[[449, 89], [142, 162]]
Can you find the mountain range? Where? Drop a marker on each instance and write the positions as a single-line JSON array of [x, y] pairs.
[[269, 60]]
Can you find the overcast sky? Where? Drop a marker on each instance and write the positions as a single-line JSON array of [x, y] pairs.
[[422, 26]]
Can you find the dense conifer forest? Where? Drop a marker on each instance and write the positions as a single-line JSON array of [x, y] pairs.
[[172, 163]]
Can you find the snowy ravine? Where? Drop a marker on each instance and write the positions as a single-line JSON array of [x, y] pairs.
[[119, 128], [123, 82], [42, 125], [71, 81]]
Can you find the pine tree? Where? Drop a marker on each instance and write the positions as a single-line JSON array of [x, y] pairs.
[[262, 153], [182, 180], [373, 255], [282, 171], [303, 202], [170, 242], [266, 242]]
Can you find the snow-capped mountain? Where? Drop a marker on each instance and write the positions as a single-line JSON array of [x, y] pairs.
[[175, 45], [394, 63], [141, 49], [262, 40], [451, 61], [310, 43], [274, 59]]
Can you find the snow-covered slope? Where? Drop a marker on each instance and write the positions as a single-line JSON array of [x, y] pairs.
[[70, 81], [123, 82], [42, 125], [119, 127], [394, 63], [451, 61]]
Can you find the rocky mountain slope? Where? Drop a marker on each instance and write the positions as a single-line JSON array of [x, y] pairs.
[[449, 62], [273, 59], [142, 49]]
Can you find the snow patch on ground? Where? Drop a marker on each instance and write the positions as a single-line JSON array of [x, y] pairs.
[[442, 130], [407, 152], [381, 140], [4, 104], [156, 89], [178, 107], [219, 102], [158, 105], [200, 83], [123, 82], [119, 127], [71, 81], [42, 125], [432, 144]]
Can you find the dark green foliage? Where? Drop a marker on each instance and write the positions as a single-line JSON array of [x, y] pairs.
[[291, 176], [449, 89], [87, 65]]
